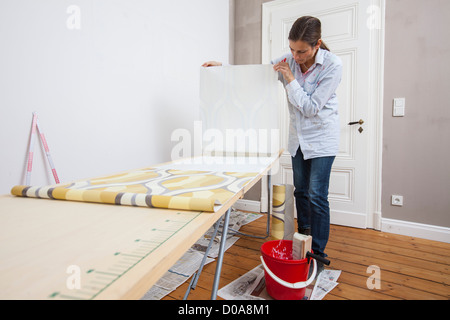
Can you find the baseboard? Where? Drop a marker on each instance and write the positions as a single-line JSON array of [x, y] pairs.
[[348, 219], [417, 230], [248, 205], [406, 228]]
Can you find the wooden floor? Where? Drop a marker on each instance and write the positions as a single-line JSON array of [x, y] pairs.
[[410, 268]]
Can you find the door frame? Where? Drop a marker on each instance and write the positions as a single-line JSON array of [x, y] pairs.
[[376, 91]]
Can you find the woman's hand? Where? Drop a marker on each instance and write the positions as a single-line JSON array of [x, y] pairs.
[[283, 67], [212, 64]]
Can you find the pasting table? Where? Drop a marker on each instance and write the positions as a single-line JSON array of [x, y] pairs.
[[58, 249]]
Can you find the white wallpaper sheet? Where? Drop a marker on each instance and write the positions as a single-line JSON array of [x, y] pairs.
[[239, 108]]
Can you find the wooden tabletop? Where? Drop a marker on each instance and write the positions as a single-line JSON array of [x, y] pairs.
[[48, 247]]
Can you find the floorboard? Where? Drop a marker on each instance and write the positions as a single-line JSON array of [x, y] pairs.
[[410, 268]]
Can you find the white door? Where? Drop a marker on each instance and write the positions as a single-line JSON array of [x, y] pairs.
[[352, 30]]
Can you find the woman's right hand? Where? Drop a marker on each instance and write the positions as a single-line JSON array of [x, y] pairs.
[[212, 64]]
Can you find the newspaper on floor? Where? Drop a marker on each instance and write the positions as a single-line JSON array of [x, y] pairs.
[[237, 220], [179, 273], [251, 286], [202, 244], [189, 263], [156, 293], [326, 281], [248, 217], [243, 287]]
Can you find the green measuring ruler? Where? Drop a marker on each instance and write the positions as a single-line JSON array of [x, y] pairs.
[[96, 279]]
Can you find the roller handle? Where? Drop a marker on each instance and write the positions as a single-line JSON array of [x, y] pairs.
[[318, 258]]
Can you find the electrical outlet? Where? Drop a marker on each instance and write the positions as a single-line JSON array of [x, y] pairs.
[[397, 200]]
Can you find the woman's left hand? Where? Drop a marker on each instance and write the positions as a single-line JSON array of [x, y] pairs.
[[283, 67]]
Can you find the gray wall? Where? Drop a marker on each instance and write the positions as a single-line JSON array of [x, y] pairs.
[[247, 34], [415, 147], [247, 46]]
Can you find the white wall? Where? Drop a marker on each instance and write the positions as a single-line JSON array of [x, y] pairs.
[[109, 94]]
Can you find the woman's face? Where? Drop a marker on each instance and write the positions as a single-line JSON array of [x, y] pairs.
[[302, 51]]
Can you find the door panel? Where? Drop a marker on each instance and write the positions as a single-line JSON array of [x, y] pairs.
[[345, 31]]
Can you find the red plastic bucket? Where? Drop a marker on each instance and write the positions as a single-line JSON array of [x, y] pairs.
[[286, 279]]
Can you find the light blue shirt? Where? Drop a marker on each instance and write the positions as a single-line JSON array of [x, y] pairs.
[[313, 105]]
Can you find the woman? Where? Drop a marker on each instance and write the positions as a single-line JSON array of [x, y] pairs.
[[311, 75]]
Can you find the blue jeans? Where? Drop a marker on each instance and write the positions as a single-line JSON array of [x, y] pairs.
[[311, 182]]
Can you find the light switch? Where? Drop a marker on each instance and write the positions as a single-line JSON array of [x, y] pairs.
[[399, 107]]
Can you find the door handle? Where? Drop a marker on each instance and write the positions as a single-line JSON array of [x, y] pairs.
[[360, 122]]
